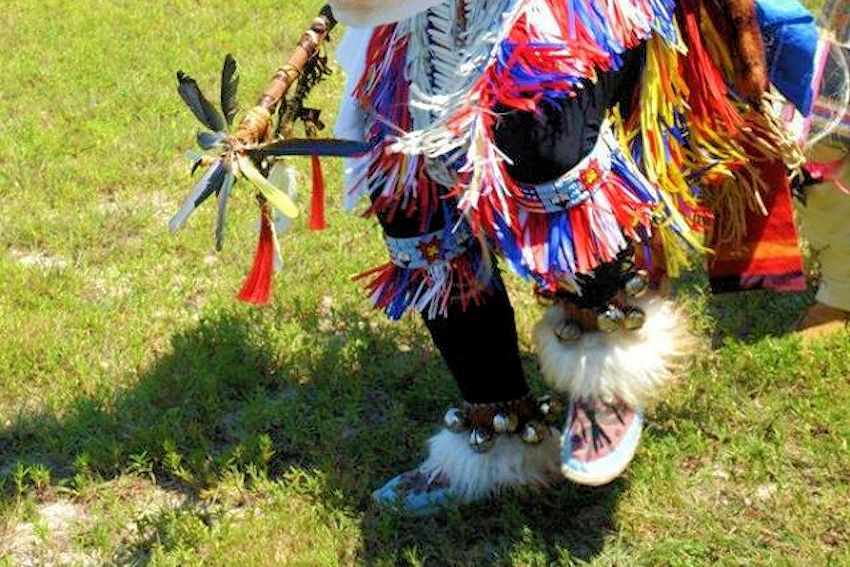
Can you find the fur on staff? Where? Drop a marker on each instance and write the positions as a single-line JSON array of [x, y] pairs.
[[257, 289]]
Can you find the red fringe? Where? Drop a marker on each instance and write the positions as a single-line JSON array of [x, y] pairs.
[[395, 290], [317, 205], [257, 289], [709, 94]]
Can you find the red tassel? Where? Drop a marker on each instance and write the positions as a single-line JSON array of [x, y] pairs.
[[257, 288], [317, 206]]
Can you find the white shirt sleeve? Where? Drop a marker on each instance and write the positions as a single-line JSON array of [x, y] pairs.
[[350, 123], [365, 13], [351, 54]]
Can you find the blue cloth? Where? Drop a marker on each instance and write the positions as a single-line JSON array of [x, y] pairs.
[[791, 42]]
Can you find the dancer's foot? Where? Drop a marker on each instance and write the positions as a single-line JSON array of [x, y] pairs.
[[821, 320], [461, 470], [599, 442], [415, 493]]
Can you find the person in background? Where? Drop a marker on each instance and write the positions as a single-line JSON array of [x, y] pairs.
[[825, 216]]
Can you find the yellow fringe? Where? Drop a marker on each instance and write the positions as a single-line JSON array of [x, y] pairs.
[[675, 256], [732, 183]]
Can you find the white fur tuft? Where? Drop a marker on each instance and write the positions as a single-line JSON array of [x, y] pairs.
[[510, 463], [633, 366]]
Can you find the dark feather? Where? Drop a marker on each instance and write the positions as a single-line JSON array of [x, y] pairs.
[[198, 104], [312, 147], [209, 140], [206, 186], [197, 159], [229, 87], [223, 196]]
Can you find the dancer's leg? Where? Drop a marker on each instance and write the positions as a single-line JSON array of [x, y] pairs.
[[498, 438]]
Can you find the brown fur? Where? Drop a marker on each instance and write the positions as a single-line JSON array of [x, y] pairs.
[[740, 26]]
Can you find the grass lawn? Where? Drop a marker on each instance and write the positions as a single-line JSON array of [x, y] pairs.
[[146, 418]]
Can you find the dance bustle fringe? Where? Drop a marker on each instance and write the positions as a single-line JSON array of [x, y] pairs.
[[686, 128], [395, 182], [550, 48]]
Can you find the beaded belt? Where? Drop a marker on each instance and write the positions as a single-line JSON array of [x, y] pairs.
[[419, 252], [576, 185]]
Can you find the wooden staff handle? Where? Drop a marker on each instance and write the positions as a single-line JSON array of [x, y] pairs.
[[254, 127]]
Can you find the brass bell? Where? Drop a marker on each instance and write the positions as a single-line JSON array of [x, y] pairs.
[[548, 407], [638, 284], [610, 319], [505, 422], [455, 420], [635, 319], [569, 331], [481, 439], [534, 432], [544, 404]]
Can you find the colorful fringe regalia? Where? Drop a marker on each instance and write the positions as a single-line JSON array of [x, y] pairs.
[[696, 161], [683, 158], [691, 151]]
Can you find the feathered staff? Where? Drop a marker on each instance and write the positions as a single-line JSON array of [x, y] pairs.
[[246, 154]]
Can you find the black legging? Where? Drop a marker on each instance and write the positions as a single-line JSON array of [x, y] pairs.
[[479, 343]]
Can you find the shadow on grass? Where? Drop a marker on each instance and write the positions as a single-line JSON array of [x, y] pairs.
[[755, 315], [747, 316], [336, 395]]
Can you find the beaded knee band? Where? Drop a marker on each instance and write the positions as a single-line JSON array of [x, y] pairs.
[[578, 184], [528, 417], [423, 251], [428, 273]]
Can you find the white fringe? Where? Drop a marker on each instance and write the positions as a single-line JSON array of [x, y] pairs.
[[633, 366], [510, 463]]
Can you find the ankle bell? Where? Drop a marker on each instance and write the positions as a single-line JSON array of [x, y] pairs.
[[527, 417]]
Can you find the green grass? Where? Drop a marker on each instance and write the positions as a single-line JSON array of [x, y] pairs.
[[146, 418]]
